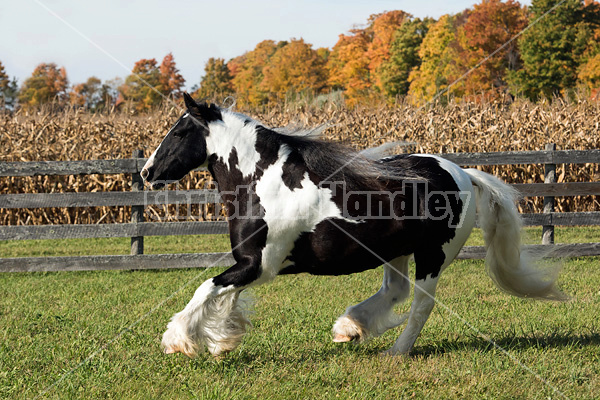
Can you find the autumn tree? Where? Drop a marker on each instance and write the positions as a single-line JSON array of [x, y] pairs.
[[348, 65], [235, 65], [589, 75], [8, 89], [382, 31], [87, 94], [249, 74], [436, 54], [589, 70], [47, 83], [294, 68], [553, 48], [149, 84], [141, 87], [3, 77], [216, 80], [324, 53], [404, 56], [356, 63], [485, 50], [170, 80]]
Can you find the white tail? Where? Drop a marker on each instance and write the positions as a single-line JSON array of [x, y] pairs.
[[511, 268]]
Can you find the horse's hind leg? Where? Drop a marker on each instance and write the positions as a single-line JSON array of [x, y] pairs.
[[420, 310], [430, 263], [375, 315]]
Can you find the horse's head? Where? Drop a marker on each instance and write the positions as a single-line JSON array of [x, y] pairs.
[[184, 147]]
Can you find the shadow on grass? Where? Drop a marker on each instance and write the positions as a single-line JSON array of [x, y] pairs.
[[551, 340], [256, 358], [509, 343]]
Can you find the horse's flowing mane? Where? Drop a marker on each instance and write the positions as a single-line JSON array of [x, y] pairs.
[[336, 162]]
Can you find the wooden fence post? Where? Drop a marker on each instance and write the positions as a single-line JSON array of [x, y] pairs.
[[549, 177], [137, 212]]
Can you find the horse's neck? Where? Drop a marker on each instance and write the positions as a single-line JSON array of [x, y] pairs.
[[227, 179], [237, 166], [242, 160], [231, 148]]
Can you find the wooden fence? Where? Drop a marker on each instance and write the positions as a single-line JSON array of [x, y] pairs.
[[138, 199]]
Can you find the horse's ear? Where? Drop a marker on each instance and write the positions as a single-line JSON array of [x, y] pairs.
[[190, 103], [203, 111]]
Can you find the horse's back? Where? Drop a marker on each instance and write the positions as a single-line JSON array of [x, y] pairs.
[[436, 211]]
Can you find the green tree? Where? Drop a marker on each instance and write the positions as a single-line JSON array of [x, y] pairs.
[[216, 81], [294, 68], [8, 89], [47, 83], [404, 56], [382, 31], [553, 48]]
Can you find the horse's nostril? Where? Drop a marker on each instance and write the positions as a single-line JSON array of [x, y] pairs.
[[144, 174]]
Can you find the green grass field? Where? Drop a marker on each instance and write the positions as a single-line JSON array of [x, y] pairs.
[[96, 334]]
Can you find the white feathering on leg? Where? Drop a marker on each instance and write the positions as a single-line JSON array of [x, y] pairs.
[[217, 322]]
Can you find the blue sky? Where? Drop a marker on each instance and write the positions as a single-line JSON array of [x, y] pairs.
[[124, 31]]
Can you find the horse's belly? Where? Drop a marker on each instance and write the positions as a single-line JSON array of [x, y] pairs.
[[338, 248]]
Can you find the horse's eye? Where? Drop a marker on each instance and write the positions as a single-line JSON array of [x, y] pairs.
[[180, 133]]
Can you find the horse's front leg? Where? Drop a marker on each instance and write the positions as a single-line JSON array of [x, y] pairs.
[[215, 317]]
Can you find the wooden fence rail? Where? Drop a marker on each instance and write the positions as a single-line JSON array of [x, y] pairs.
[[137, 229], [101, 199], [84, 167], [133, 165], [211, 196]]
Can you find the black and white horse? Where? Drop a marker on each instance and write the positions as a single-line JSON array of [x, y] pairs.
[[299, 204]]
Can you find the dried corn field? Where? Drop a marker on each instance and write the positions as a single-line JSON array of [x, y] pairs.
[[457, 127]]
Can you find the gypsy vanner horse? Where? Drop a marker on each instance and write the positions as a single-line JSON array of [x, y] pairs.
[[296, 203]]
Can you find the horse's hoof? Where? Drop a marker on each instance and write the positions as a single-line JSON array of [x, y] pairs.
[[341, 338], [392, 353], [387, 353], [347, 329], [175, 350]]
